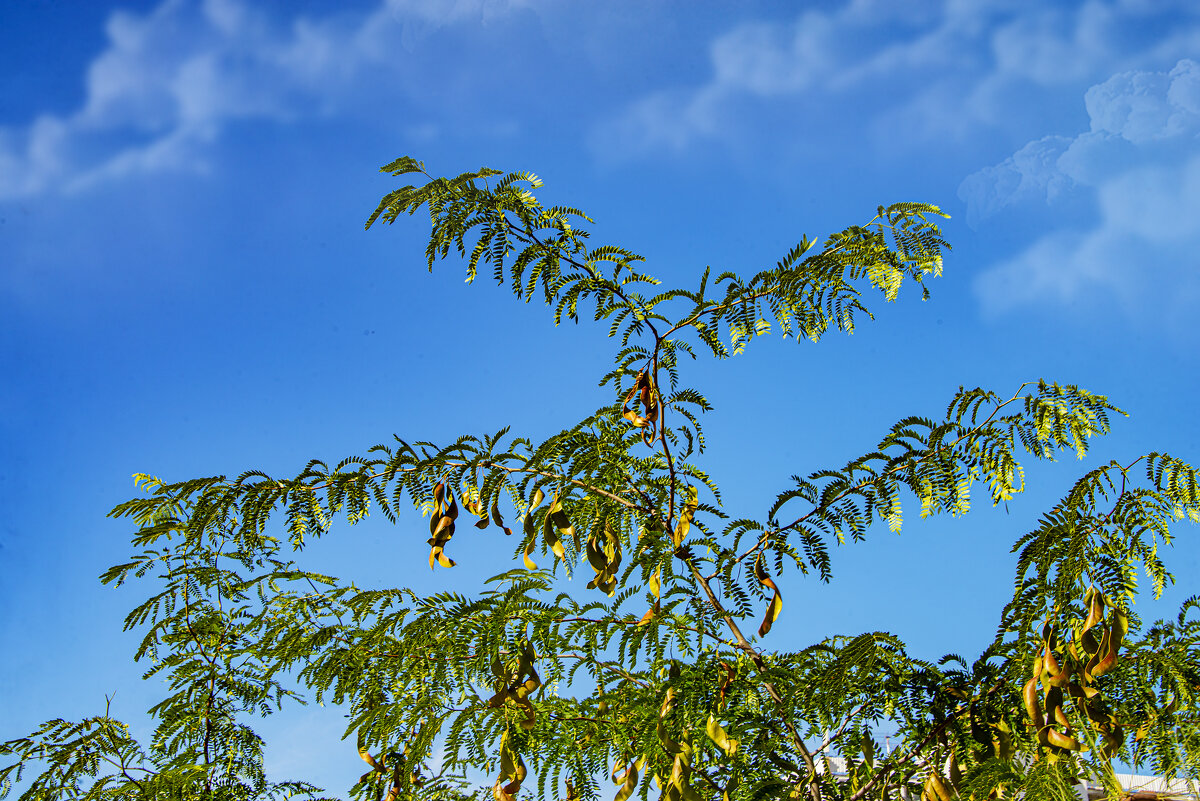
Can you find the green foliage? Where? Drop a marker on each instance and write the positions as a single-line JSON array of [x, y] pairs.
[[647, 677]]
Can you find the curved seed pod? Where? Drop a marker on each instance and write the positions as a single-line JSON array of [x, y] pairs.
[[1105, 659], [443, 530], [641, 391], [1054, 675], [1096, 712], [1060, 717], [628, 780], [1089, 643], [726, 683], [954, 772], [394, 791], [1095, 602], [671, 746], [594, 551], [499, 520], [550, 534], [685, 518], [679, 786], [471, 500], [443, 523], [1059, 740], [435, 516], [366, 755], [1054, 699], [938, 789], [557, 518], [1118, 627], [604, 554], [1029, 695], [512, 767], [647, 397], [437, 553], [529, 563], [633, 417], [720, 737], [607, 549], [776, 603]]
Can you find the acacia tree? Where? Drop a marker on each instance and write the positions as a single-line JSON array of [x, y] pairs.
[[657, 674]]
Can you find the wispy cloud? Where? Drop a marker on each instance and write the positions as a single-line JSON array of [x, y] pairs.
[[170, 81], [935, 71], [1139, 161]]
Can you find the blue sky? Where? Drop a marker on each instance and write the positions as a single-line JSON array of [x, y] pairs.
[[186, 288]]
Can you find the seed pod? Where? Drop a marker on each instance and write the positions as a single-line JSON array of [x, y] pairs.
[[1030, 696], [1059, 740]]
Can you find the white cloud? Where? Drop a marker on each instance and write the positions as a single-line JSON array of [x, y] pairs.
[[662, 121], [931, 70], [445, 12], [1146, 239], [1056, 46], [768, 60], [1146, 106], [1031, 172], [1141, 163], [1130, 114], [169, 81], [1057, 268], [31, 161], [1155, 204]]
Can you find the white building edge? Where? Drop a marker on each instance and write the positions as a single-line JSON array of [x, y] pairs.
[[1144, 788], [1135, 787]]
